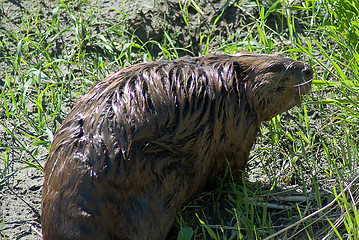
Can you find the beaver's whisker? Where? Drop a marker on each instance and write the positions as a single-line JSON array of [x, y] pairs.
[[303, 83], [289, 66], [300, 95]]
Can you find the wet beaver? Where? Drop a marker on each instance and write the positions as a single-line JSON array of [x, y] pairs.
[[147, 138]]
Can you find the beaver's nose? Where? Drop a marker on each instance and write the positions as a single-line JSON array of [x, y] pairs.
[[307, 72]]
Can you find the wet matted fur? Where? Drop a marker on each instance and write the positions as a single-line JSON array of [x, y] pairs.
[[147, 138]]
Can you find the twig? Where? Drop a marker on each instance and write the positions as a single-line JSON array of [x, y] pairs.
[[316, 212], [38, 232], [340, 220]]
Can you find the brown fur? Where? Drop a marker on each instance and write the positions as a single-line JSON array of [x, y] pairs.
[[147, 138]]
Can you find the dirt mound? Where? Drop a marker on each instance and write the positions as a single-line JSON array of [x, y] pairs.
[[186, 21]]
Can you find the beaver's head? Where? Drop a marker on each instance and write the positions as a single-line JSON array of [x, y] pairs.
[[273, 83]]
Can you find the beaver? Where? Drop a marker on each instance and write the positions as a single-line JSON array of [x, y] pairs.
[[146, 139]]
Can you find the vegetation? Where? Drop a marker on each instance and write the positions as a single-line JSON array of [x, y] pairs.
[[304, 161]]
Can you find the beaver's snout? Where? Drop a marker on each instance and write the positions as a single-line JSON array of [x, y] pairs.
[[307, 72], [306, 79], [304, 76]]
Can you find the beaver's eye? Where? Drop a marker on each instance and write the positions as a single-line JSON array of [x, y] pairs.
[[275, 67]]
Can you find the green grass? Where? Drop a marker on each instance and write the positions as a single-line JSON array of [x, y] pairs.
[[302, 160]]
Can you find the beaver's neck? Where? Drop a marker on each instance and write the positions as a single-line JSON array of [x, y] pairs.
[[226, 136]]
